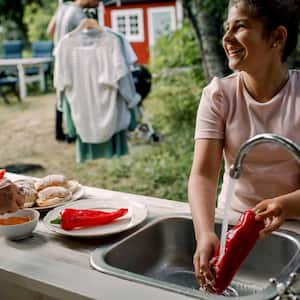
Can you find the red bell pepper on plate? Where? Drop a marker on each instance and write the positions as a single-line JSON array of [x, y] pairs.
[[71, 218], [239, 242]]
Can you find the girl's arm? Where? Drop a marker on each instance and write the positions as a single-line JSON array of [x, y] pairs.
[[202, 198]]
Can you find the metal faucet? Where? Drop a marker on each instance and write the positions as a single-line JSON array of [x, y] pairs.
[[285, 290], [293, 148]]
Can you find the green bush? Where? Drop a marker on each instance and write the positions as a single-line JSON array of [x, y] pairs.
[[178, 79], [177, 49], [178, 96], [158, 170], [9, 30], [162, 170], [298, 53], [37, 17]]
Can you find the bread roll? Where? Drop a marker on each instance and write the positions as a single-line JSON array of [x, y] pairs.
[[53, 195], [73, 186], [30, 197], [28, 190], [25, 182], [51, 180]]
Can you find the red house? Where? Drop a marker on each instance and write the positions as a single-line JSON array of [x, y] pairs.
[[142, 22]]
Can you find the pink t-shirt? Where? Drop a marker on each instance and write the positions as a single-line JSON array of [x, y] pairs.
[[228, 112]]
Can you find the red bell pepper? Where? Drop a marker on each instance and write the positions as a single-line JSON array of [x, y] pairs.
[[2, 173], [86, 212], [71, 218], [239, 242]]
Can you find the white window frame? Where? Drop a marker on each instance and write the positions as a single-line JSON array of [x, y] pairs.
[[152, 10], [126, 13]]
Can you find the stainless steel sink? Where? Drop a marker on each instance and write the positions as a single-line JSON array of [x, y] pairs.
[[161, 253]]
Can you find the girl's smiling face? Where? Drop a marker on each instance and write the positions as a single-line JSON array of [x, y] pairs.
[[246, 45]]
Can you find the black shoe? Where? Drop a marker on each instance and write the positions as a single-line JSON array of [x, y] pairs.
[[60, 137], [70, 139]]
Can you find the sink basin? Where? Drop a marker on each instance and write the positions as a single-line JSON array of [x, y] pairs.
[[161, 254]]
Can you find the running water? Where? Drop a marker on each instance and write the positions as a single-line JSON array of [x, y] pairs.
[[229, 194]]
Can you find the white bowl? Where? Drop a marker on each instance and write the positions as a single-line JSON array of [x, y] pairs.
[[20, 231]]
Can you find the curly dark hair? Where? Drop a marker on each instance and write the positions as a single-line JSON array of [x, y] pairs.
[[274, 13]]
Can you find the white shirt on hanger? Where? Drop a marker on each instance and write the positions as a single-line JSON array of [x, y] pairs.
[[88, 71]]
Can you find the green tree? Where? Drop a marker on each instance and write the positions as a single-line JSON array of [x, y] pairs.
[[11, 24], [17, 18], [206, 17], [36, 18], [13, 11]]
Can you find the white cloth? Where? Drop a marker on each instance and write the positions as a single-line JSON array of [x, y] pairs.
[[131, 56], [89, 76], [67, 17], [129, 52]]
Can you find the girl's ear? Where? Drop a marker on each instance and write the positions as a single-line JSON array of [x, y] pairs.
[[279, 37]]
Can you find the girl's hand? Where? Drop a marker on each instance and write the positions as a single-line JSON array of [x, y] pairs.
[[204, 252], [273, 212], [11, 198]]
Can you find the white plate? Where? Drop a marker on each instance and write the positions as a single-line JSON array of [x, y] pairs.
[[79, 193], [137, 213]]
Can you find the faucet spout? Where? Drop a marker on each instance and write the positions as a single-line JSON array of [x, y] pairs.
[[293, 148]]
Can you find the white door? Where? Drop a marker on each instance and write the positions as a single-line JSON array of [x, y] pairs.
[[161, 21]]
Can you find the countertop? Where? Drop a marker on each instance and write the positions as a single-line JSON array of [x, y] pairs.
[[49, 266]]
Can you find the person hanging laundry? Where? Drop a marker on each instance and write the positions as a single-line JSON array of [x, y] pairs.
[[66, 18]]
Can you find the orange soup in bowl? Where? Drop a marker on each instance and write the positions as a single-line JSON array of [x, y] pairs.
[[14, 220]]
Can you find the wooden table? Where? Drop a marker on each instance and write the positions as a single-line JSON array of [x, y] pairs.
[[21, 64]]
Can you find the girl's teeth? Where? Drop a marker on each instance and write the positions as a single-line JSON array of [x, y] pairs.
[[231, 53]]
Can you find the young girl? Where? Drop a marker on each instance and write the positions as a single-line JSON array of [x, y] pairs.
[[261, 96]]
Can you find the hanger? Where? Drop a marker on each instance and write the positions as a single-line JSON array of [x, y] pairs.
[[85, 25]]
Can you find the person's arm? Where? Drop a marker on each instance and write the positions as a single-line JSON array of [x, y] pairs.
[[11, 198], [202, 198], [276, 210], [51, 27]]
